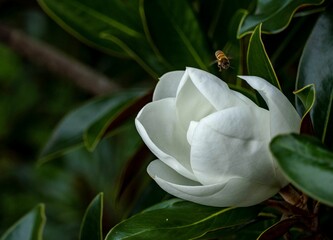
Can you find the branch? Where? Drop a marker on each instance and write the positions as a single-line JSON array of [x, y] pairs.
[[48, 57]]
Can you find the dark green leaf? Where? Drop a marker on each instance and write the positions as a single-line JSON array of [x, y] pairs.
[[278, 229], [307, 164], [258, 62], [274, 15], [132, 173], [182, 219], [91, 227], [248, 231], [176, 33], [113, 26], [316, 68], [117, 116], [89, 123], [307, 96], [28, 227]]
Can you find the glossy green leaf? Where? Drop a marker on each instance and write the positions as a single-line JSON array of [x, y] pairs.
[[307, 165], [91, 227], [253, 229], [274, 15], [278, 229], [181, 219], [248, 231], [315, 68], [28, 227], [307, 96], [88, 124], [258, 62], [115, 117], [133, 173], [175, 31], [113, 26]]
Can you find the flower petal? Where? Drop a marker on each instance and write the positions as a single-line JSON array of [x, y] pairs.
[[201, 93], [158, 127], [284, 117], [159, 168], [191, 105], [238, 192], [190, 131], [233, 143], [217, 92], [167, 85]]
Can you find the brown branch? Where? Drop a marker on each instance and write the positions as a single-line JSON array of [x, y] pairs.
[[293, 197], [56, 62]]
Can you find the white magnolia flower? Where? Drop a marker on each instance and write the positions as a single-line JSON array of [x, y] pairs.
[[212, 143]]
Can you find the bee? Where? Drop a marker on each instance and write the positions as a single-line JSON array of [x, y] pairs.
[[222, 60]]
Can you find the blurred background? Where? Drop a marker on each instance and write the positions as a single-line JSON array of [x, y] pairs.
[[33, 99]]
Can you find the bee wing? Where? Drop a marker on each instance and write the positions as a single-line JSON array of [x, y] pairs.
[[213, 62]]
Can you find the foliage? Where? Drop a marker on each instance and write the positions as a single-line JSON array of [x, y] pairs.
[[29, 227], [307, 164], [96, 146]]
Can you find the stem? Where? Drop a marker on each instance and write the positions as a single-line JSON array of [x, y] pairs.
[[286, 208], [57, 62], [293, 197]]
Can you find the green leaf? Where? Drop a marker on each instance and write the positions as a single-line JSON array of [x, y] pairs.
[[182, 219], [307, 164], [114, 27], [315, 68], [176, 33], [274, 15], [28, 227], [115, 116], [88, 124], [258, 62], [247, 231], [278, 229], [91, 227], [307, 96], [133, 179]]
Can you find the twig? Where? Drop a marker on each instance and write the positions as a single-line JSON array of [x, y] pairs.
[[57, 62], [286, 208], [293, 197]]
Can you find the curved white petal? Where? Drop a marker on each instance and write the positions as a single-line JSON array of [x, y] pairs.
[[239, 192], [217, 92], [160, 169], [191, 105], [233, 143], [158, 127], [245, 99], [167, 85], [190, 131], [284, 117]]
